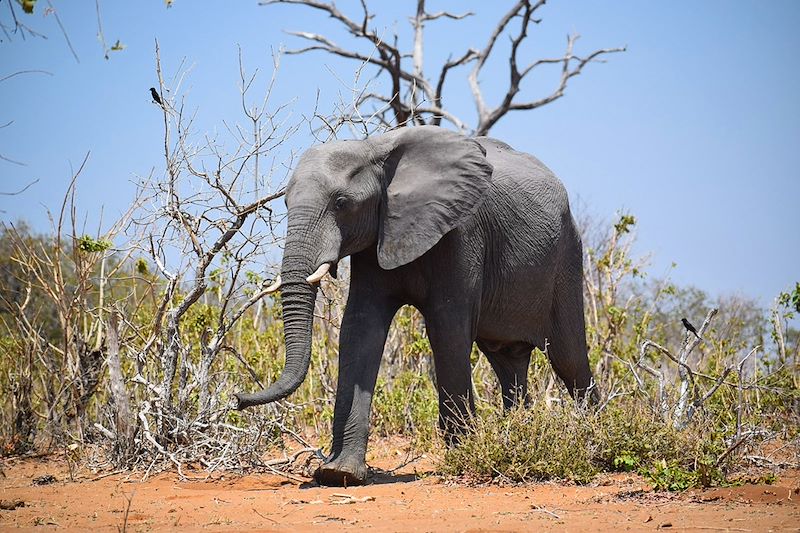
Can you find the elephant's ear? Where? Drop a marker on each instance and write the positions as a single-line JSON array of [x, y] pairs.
[[435, 179]]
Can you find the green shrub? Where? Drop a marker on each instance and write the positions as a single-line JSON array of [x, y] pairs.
[[629, 436], [406, 405], [526, 445], [569, 443], [672, 476]]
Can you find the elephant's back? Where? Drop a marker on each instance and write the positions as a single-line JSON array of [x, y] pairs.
[[518, 169], [525, 199], [529, 233]]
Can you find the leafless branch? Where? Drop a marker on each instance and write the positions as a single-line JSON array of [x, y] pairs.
[[388, 60], [446, 14], [21, 72], [690, 397], [22, 190], [412, 98], [63, 30], [488, 117], [687, 385]]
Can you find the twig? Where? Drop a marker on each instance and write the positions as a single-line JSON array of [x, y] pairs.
[[715, 528], [285, 474], [106, 432], [732, 447], [124, 527], [63, 31], [149, 436], [347, 499], [22, 190], [545, 510], [108, 474], [264, 517], [20, 72], [293, 458]]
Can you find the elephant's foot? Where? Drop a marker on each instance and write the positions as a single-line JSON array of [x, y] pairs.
[[342, 472]]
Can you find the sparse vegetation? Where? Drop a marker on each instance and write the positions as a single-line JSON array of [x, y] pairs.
[[746, 397], [131, 342]]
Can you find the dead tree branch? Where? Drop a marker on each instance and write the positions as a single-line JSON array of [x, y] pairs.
[[208, 234], [571, 66], [414, 99], [691, 396]]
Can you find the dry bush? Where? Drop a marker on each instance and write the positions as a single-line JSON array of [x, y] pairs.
[[52, 319], [567, 442]]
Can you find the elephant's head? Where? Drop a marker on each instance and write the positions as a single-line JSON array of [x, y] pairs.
[[401, 192]]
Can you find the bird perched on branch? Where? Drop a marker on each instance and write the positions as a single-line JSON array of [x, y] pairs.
[[689, 327], [155, 96]]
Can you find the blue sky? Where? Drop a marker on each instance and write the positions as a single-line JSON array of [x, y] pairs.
[[695, 129]]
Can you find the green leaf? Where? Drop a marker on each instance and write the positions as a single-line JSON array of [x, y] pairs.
[[88, 244], [141, 266], [624, 224], [27, 5]]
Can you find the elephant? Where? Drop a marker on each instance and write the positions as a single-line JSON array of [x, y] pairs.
[[476, 235]]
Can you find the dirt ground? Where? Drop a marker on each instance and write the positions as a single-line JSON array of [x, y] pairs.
[[409, 499]]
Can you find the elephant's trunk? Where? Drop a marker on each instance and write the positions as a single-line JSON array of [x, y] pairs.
[[297, 297]]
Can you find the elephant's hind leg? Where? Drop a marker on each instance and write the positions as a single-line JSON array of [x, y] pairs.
[[566, 344], [451, 343], [510, 362]]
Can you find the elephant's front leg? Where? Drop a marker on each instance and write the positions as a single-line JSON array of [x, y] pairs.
[[364, 328]]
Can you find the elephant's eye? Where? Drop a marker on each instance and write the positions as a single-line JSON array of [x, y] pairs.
[[341, 203]]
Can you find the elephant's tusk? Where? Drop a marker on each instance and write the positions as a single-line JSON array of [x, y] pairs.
[[275, 285], [319, 274]]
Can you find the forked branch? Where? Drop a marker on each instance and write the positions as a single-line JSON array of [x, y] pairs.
[[571, 66], [412, 98]]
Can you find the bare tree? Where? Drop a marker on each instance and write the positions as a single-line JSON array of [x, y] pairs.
[[415, 98], [158, 301], [209, 230]]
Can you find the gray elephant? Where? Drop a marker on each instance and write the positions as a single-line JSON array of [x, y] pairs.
[[477, 236]]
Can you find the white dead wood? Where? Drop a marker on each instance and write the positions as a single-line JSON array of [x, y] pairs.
[[691, 396]]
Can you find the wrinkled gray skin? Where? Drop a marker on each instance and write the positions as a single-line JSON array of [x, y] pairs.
[[476, 235]]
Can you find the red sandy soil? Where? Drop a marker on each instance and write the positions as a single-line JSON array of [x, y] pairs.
[[406, 500]]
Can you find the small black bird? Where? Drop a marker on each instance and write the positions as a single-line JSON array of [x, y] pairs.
[[155, 96], [689, 327]]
